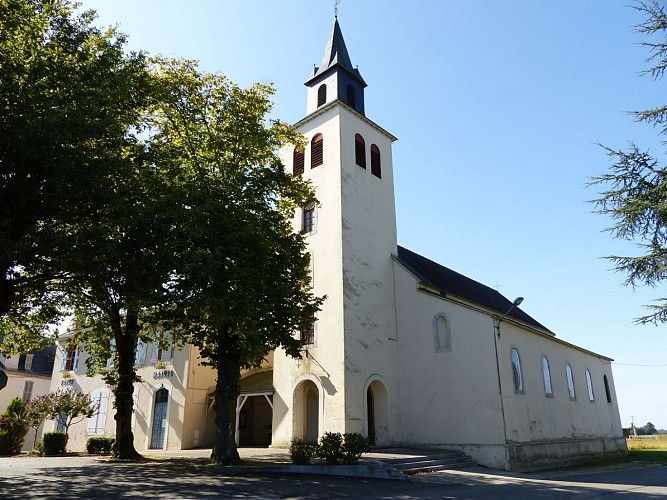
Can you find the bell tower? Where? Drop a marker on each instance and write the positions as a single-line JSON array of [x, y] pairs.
[[347, 380]]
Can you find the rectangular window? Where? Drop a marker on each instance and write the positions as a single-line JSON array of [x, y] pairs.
[[140, 353], [27, 391], [308, 222], [158, 354], [308, 336], [28, 361], [70, 360], [97, 422]]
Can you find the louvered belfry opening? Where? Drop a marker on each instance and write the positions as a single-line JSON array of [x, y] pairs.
[[321, 95], [298, 162], [317, 151], [351, 97], [360, 150], [376, 167]]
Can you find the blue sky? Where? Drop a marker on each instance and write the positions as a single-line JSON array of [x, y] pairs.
[[499, 108]]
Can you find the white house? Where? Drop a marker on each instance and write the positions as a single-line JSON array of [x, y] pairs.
[[404, 350]]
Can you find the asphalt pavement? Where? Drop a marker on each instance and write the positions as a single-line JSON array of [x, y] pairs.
[[176, 477]]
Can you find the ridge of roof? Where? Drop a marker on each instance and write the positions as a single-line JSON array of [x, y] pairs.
[[450, 282]]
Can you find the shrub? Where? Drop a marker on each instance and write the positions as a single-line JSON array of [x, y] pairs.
[[331, 447], [99, 444], [301, 451], [354, 445], [53, 443], [13, 428]]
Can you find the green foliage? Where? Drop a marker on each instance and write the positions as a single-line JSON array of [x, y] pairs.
[[13, 428], [635, 188], [354, 445], [301, 451], [99, 444], [68, 408], [331, 447], [347, 448], [647, 430], [244, 277], [53, 443]]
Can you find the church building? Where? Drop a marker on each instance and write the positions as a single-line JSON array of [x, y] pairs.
[[404, 351]]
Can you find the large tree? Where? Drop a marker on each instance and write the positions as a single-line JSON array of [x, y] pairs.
[[69, 96], [635, 187], [84, 218], [245, 286]]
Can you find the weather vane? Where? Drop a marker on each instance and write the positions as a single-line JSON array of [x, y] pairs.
[[336, 8]]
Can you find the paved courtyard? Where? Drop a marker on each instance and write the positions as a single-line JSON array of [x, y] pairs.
[[87, 477]]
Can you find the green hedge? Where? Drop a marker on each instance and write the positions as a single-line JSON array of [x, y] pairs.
[[99, 444], [53, 443], [334, 448]]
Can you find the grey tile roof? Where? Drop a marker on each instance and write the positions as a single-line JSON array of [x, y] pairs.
[[455, 284], [336, 53]]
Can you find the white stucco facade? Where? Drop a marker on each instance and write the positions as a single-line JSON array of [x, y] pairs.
[[397, 354]]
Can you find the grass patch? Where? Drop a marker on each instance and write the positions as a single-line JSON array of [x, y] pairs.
[[648, 443]]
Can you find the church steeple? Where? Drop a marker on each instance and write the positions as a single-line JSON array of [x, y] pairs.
[[336, 78]]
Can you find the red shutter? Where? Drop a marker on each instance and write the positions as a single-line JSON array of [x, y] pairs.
[[298, 161], [360, 150], [376, 167], [317, 151]]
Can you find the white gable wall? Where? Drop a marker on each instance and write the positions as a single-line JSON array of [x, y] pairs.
[[449, 398]]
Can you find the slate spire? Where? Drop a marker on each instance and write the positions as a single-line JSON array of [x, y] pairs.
[[336, 78], [336, 53]]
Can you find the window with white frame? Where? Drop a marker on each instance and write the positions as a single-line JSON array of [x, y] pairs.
[[28, 361], [97, 422], [589, 384], [27, 391], [546, 373], [163, 350], [112, 356], [517, 374], [70, 359], [570, 382], [140, 353]]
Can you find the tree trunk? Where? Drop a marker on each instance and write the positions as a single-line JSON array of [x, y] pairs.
[[226, 392], [126, 345]]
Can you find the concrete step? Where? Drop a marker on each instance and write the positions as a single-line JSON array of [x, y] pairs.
[[430, 463]]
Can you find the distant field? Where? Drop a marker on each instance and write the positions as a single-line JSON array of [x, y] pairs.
[[648, 443]]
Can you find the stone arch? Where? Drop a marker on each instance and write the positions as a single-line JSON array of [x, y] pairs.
[[377, 411], [307, 408]]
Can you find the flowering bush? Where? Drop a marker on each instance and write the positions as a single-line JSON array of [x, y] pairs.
[[13, 428]]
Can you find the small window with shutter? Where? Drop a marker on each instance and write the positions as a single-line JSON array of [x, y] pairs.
[[321, 95], [316, 151], [376, 166], [360, 150]]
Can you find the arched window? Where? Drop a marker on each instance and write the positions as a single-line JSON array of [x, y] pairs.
[[606, 388], [316, 151], [546, 373], [298, 162], [376, 167], [351, 98], [321, 95], [442, 335], [517, 375], [360, 150], [589, 384], [570, 382]]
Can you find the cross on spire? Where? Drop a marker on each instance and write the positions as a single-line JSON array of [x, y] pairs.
[[336, 8]]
